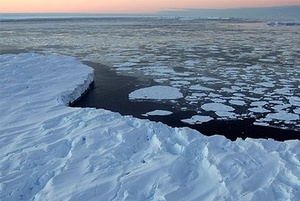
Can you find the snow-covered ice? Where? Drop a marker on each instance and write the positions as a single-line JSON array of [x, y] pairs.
[[50, 151]]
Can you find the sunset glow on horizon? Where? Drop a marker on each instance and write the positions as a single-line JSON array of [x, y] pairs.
[[129, 6]]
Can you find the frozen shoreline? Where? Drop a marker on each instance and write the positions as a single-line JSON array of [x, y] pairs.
[[51, 151]]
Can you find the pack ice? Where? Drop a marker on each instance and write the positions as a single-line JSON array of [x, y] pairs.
[[49, 151]]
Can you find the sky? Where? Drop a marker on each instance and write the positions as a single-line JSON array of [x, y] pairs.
[[129, 6]]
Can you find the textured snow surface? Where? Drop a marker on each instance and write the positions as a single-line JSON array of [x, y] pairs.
[[49, 151]]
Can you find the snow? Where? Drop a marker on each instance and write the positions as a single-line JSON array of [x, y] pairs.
[[49, 151], [156, 92]]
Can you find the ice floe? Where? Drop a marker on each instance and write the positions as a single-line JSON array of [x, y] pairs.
[[197, 119], [258, 110], [217, 107], [200, 88], [297, 111], [266, 84], [259, 103], [237, 102], [156, 93], [283, 115], [158, 113], [50, 151]]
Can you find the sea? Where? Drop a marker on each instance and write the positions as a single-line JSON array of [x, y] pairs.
[[237, 77]]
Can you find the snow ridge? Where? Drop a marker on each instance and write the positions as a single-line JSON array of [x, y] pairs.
[[49, 151]]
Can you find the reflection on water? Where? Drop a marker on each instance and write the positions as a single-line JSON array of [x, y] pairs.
[[248, 66]]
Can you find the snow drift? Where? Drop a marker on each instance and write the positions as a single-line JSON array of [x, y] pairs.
[[53, 152]]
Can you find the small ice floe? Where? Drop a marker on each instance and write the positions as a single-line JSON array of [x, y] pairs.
[[161, 80], [283, 91], [214, 95], [237, 102], [258, 90], [239, 94], [259, 103], [228, 90], [283, 115], [208, 79], [297, 110], [197, 119], [195, 96], [266, 84], [156, 93], [281, 107], [158, 71], [258, 110], [268, 60], [226, 114], [179, 83], [260, 123], [158, 113], [198, 95], [294, 100], [200, 88], [218, 100], [220, 109], [217, 107]]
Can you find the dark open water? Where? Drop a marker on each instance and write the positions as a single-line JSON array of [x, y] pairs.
[[110, 91]]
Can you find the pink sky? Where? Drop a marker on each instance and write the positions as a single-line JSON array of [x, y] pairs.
[[128, 6]]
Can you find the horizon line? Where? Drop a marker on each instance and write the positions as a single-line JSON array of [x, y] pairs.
[[152, 13]]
